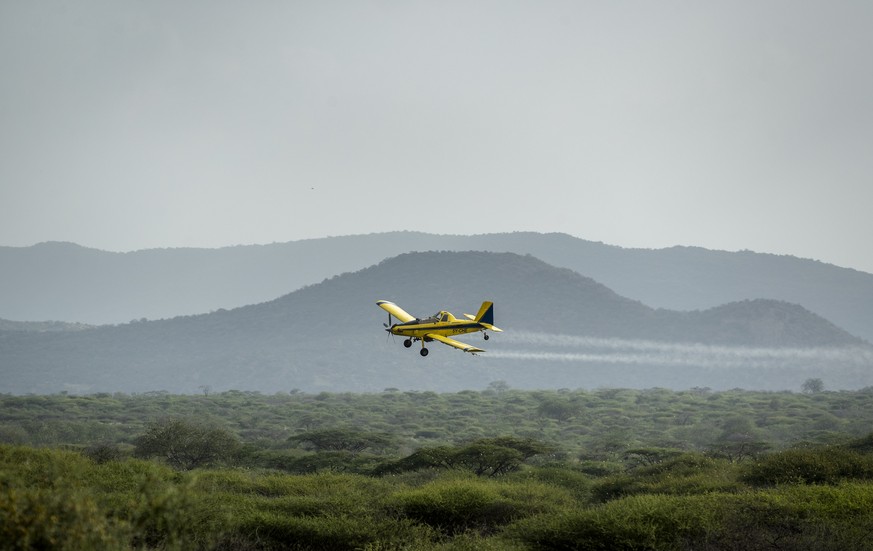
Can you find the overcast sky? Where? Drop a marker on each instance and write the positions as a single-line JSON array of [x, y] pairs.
[[724, 124]]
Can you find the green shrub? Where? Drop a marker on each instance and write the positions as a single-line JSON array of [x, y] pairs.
[[468, 541], [60, 499], [800, 518], [343, 439], [862, 445], [322, 493], [269, 531], [40, 518], [457, 505], [600, 468], [128, 476], [685, 464], [13, 434], [826, 465], [320, 511], [337, 461], [103, 452], [168, 512], [42, 467], [687, 474], [575, 482], [617, 486], [634, 523], [484, 457]]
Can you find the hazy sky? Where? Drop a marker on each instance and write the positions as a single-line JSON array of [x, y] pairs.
[[724, 124]]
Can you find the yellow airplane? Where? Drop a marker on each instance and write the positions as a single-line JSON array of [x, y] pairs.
[[439, 326]]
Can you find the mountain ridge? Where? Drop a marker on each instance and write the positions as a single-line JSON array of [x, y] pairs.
[[77, 284], [329, 336]]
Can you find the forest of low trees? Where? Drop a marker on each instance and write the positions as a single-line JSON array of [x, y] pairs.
[[493, 469]]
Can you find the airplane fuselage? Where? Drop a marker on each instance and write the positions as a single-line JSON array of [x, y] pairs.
[[419, 329]]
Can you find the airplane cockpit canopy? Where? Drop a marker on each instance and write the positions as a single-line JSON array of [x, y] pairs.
[[441, 316]]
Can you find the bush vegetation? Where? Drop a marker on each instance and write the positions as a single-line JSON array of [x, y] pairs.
[[605, 469]]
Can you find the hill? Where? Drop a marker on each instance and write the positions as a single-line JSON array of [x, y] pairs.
[[62, 281], [562, 330], [42, 326]]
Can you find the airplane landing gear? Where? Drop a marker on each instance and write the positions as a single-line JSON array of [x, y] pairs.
[[486, 336], [423, 351], [407, 343]]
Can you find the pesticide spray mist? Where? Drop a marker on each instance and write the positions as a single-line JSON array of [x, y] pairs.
[[570, 348]]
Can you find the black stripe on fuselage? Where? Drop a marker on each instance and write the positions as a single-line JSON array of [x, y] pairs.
[[418, 325]]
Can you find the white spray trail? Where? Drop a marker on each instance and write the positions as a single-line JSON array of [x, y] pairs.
[[571, 348]]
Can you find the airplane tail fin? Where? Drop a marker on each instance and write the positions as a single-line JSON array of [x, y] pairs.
[[486, 316]]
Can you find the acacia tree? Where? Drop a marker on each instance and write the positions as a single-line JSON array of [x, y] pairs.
[[738, 441], [186, 444], [812, 386]]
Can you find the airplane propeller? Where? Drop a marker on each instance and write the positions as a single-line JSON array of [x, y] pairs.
[[388, 328]]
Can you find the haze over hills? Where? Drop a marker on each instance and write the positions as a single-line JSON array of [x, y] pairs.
[[62, 281], [561, 330]]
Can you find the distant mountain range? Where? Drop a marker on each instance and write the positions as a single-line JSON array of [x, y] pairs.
[[63, 281], [562, 329]]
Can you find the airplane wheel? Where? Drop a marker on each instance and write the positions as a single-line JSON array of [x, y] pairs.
[[424, 351], [407, 343], [487, 337]]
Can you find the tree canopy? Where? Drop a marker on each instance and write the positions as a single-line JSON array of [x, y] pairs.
[[185, 444]]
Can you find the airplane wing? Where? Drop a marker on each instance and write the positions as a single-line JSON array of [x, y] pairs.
[[395, 310], [451, 342]]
